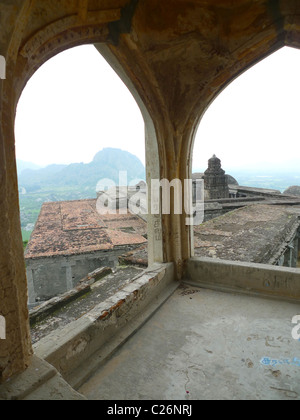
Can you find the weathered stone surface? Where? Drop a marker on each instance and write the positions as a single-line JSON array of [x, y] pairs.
[[215, 180], [257, 233], [108, 324], [47, 308], [40, 382], [96, 275], [61, 311], [218, 194], [280, 283], [137, 257]]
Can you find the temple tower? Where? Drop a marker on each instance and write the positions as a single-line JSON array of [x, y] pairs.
[[215, 180]]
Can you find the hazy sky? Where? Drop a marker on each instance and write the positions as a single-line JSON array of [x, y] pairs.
[[75, 105], [255, 121]]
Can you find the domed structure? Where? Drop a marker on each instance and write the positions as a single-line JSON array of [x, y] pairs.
[[215, 180], [200, 175], [231, 180], [295, 190]]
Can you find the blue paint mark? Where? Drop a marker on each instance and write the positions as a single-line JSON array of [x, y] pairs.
[[266, 361]]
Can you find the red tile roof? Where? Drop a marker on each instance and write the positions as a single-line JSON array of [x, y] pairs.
[[75, 227]]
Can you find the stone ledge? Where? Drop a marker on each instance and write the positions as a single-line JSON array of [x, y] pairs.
[[47, 308], [246, 278], [40, 381], [69, 348], [96, 276]]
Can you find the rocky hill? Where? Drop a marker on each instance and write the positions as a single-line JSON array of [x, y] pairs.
[[106, 164]]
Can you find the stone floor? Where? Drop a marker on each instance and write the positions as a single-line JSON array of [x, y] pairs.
[[203, 345]]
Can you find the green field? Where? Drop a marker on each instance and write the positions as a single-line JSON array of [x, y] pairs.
[[26, 235]]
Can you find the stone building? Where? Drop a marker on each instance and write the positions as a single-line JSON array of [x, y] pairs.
[[70, 240], [175, 57], [215, 180]]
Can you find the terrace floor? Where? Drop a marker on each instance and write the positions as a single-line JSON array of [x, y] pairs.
[[204, 344]]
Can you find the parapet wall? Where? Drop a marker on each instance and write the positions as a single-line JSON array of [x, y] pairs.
[[255, 279], [54, 275], [83, 345]]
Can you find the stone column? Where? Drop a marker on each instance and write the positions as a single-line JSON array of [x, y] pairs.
[[15, 350], [155, 234]]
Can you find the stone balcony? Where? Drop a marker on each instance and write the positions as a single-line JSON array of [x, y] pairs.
[[224, 333]]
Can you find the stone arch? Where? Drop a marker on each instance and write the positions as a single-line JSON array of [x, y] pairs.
[[255, 50], [23, 60], [288, 35], [67, 33]]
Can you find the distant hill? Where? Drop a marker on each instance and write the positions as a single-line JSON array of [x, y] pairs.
[[22, 166], [106, 164]]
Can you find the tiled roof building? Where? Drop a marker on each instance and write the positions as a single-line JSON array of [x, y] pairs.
[[71, 239]]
